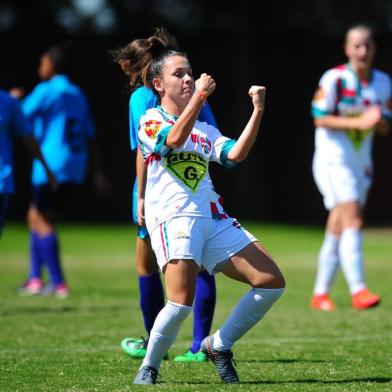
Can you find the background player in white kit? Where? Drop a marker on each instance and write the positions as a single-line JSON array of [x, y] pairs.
[[351, 104]]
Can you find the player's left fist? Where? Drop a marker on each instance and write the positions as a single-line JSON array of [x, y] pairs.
[[257, 93]]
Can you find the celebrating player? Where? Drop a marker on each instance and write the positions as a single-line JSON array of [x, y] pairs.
[[352, 103], [188, 227], [133, 58]]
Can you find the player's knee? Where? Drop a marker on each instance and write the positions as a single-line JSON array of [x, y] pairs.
[[272, 280]]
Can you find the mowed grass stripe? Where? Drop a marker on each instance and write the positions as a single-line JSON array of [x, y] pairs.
[[48, 344]]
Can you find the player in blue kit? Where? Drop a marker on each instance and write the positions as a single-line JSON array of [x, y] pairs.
[[132, 59], [63, 126], [13, 125]]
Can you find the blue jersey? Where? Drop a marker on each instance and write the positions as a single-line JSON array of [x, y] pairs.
[[63, 126], [143, 99], [13, 124]]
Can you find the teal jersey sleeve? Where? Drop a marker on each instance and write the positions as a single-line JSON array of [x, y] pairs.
[[140, 101]]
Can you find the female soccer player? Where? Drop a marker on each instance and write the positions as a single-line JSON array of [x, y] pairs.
[[351, 104], [188, 228], [59, 112], [13, 125], [133, 58]]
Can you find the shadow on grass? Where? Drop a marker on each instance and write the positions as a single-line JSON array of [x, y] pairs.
[[379, 380], [284, 361]]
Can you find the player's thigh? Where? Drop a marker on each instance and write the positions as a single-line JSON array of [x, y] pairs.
[[146, 263], [350, 214], [337, 183], [225, 239], [180, 238], [253, 265], [180, 281]]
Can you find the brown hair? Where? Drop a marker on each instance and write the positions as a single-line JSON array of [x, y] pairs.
[[135, 58]]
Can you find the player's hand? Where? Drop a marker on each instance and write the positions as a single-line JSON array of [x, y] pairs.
[[205, 84], [17, 92], [257, 93], [53, 184], [101, 184], [140, 212], [382, 127], [369, 118]]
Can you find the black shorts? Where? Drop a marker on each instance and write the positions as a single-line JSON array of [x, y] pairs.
[[4, 199], [45, 199]]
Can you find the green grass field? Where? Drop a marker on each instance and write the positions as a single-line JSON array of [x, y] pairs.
[[49, 344]]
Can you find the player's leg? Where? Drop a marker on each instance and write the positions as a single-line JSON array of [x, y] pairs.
[[203, 312], [4, 200], [250, 264], [180, 281], [328, 263], [42, 220], [151, 293], [179, 257], [351, 255]]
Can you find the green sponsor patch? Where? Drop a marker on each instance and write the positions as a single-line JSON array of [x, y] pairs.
[[189, 167], [357, 137]]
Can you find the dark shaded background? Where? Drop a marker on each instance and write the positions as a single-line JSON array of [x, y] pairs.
[[283, 45]]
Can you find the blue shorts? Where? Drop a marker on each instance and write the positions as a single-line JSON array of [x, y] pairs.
[[141, 230], [45, 199], [4, 200]]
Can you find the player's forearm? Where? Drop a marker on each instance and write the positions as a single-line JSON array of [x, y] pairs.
[[141, 174], [185, 122], [36, 152], [337, 123], [248, 137]]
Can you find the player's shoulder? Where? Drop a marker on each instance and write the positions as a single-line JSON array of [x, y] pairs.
[[152, 113], [336, 72], [381, 76], [143, 95], [5, 96], [7, 101]]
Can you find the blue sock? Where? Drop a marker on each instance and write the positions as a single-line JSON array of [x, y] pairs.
[[203, 309], [51, 256], [152, 298], [36, 261]]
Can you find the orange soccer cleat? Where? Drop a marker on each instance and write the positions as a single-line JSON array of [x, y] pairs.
[[365, 299], [322, 302]]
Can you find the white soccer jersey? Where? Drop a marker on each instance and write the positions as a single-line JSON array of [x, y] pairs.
[[178, 180], [341, 93]]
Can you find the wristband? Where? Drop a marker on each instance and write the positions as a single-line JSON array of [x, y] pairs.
[[202, 94]]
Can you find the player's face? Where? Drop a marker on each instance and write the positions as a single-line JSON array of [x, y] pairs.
[[46, 69], [177, 81], [360, 49]]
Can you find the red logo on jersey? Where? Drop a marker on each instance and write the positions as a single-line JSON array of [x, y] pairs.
[[152, 127]]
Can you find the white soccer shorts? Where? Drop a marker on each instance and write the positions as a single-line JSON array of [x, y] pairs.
[[209, 242], [341, 184]]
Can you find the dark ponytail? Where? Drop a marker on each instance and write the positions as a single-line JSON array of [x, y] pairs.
[[135, 58]]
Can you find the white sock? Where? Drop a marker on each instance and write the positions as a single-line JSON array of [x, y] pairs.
[[328, 263], [164, 332], [250, 309], [351, 257]]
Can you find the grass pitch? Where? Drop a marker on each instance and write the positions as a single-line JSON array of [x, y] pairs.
[[48, 344]]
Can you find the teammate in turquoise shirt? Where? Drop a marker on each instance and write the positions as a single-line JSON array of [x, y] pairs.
[[59, 113], [13, 125]]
